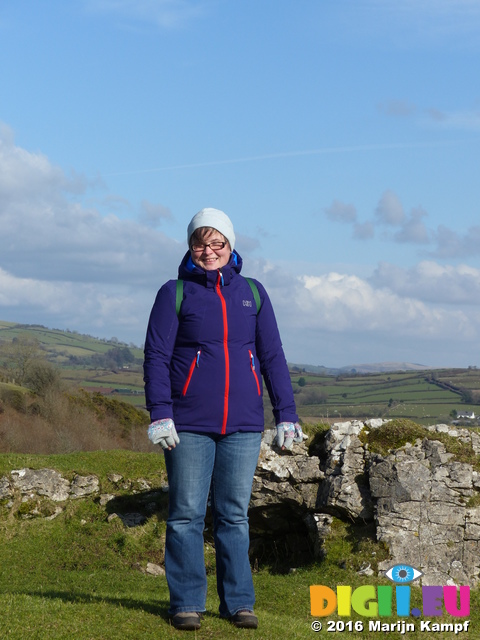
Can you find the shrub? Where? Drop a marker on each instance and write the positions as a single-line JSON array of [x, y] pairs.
[[42, 378], [15, 399]]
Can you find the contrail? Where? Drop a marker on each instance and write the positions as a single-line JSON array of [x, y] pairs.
[[272, 156]]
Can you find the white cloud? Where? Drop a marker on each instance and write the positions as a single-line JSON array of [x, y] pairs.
[[64, 264], [347, 304], [466, 120], [153, 214], [413, 230], [431, 282], [43, 226], [450, 244], [341, 212], [345, 301], [363, 230], [29, 176], [388, 213], [397, 108], [88, 308], [425, 23], [339, 319], [389, 210]]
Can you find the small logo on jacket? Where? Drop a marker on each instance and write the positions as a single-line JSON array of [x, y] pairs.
[[247, 303]]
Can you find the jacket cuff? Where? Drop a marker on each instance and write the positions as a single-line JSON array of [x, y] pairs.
[[161, 413], [285, 417]]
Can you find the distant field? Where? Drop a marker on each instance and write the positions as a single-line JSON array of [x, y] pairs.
[[101, 377], [407, 394], [97, 380], [390, 395], [61, 343], [396, 396]]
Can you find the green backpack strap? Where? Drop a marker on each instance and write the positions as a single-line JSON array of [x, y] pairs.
[[179, 297], [256, 295]]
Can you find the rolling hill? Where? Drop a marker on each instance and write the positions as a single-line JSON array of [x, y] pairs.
[[388, 389]]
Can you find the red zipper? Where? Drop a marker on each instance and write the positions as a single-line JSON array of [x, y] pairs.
[[190, 372], [225, 350], [252, 366]]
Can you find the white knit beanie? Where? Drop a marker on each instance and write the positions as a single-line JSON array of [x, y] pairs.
[[212, 218]]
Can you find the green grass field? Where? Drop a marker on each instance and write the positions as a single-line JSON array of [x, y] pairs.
[[388, 395], [80, 575]]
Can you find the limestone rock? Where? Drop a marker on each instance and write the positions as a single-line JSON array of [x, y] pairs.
[[154, 569], [345, 491], [83, 486], [6, 490], [420, 496], [417, 497], [43, 482]]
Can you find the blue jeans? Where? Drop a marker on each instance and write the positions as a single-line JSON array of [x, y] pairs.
[[224, 466]]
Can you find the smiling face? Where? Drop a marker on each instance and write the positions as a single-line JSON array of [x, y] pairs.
[[203, 255]]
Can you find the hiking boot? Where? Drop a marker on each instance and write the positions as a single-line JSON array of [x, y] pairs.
[[245, 620], [187, 620]]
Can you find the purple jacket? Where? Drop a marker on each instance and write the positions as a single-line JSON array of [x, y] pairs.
[[204, 368]]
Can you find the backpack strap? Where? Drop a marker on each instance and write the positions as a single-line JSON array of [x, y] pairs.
[[256, 295], [178, 296]]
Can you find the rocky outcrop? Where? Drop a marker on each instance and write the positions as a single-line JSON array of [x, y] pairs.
[[419, 498], [421, 501], [345, 491], [283, 504]]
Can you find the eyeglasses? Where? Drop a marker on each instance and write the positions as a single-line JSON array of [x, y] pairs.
[[216, 245]]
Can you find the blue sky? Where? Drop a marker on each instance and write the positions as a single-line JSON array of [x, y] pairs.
[[341, 137]]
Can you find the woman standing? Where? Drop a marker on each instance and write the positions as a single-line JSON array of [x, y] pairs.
[[211, 337]]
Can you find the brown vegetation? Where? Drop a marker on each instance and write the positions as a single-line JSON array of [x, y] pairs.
[[63, 422], [39, 415]]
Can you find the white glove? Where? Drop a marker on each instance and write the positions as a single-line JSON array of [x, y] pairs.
[[163, 432], [287, 434]]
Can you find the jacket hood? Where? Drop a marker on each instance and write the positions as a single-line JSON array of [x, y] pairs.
[[189, 271]]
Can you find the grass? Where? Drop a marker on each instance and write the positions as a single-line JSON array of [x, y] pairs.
[[150, 466], [80, 575]]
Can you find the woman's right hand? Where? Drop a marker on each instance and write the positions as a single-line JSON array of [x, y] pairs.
[[163, 432]]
